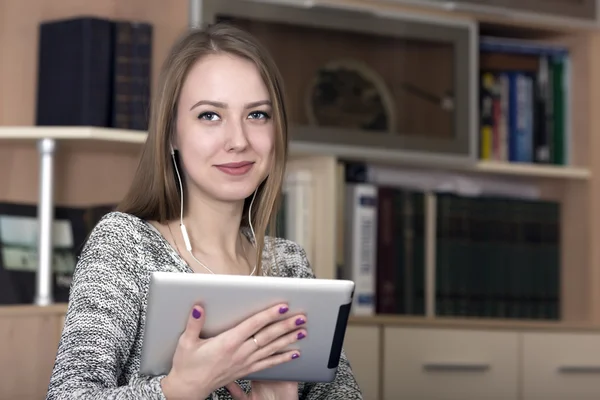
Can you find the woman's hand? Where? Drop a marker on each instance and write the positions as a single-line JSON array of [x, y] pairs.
[[265, 390], [201, 366]]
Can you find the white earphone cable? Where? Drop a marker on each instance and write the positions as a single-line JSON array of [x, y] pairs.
[[186, 239]]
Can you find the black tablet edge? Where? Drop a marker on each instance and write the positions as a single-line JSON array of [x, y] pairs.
[[338, 335]]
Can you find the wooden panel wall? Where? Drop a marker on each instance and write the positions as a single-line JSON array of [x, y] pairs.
[[29, 338]]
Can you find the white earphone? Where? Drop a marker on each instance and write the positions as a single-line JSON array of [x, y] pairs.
[[186, 238]]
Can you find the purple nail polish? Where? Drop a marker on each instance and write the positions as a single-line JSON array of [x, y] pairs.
[[283, 310], [196, 314], [301, 335], [295, 355], [300, 321]]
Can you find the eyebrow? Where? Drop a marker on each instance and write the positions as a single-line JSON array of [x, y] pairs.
[[219, 104]]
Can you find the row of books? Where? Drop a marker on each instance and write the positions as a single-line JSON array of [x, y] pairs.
[[19, 253], [524, 101], [496, 256], [94, 71]]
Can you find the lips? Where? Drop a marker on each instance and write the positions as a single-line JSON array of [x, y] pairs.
[[236, 164], [236, 168]]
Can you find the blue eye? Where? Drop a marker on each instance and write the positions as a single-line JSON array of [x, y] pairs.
[[259, 115], [210, 116]]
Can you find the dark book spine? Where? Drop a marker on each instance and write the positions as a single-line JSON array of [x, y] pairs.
[[122, 76], [543, 115], [443, 262], [386, 288], [74, 72], [141, 75], [406, 281], [419, 240]]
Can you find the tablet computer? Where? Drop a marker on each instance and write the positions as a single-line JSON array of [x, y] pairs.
[[230, 299]]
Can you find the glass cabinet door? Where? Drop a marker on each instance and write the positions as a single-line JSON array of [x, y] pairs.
[[358, 82]]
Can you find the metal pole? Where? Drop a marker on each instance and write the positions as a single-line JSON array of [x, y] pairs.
[[430, 254], [195, 13], [46, 149]]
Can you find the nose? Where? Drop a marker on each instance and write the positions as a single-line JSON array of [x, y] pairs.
[[236, 139]]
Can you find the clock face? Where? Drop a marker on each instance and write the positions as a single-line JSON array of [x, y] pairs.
[[348, 94]]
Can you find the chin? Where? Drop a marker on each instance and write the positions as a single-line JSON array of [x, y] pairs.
[[232, 192]]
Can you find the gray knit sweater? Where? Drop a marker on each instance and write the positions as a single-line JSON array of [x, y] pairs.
[[99, 351]]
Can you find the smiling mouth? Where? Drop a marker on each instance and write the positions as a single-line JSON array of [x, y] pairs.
[[238, 168]]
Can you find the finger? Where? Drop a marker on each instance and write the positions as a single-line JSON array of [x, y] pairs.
[[194, 325], [258, 321], [277, 330], [236, 391], [277, 345], [265, 339], [274, 360]]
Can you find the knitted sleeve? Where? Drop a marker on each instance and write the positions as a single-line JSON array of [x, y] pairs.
[[101, 322], [344, 386]]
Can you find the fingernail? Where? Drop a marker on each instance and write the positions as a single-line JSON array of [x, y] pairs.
[[283, 310], [301, 335], [196, 314], [300, 321], [295, 355]]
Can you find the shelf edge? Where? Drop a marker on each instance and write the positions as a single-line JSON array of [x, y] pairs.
[[471, 323], [74, 133]]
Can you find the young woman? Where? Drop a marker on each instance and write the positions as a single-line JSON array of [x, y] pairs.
[[201, 201]]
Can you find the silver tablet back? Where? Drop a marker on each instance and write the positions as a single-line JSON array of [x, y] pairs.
[[230, 299]]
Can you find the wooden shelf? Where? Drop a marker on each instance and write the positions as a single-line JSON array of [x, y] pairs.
[[471, 323], [533, 170], [120, 136], [71, 133], [376, 320]]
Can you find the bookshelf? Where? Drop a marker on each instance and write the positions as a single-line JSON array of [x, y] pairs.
[[88, 155], [94, 166]]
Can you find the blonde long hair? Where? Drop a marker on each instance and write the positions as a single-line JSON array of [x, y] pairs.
[[154, 194]]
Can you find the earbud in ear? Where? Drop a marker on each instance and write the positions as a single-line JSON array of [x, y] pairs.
[[172, 150]]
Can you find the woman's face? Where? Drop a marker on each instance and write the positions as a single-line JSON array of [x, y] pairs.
[[225, 131]]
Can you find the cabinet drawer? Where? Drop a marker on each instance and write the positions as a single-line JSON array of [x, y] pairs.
[[361, 345], [559, 366], [450, 364]]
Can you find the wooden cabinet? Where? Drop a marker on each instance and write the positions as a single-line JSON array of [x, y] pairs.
[[362, 346], [29, 338], [558, 366], [475, 363], [450, 364]]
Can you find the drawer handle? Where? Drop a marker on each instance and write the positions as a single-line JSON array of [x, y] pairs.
[[579, 369], [456, 366]]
